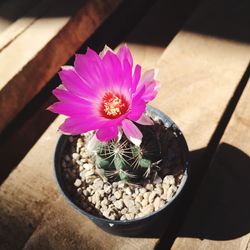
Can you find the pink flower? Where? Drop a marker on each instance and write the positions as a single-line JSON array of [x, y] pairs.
[[104, 93]]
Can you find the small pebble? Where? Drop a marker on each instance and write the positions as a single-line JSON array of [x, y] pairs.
[[158, 191], [130, 216], [133, 209], [136, 191], [150, 187], [98, 205], [157, 203], [82, 175], [107, 188], [146, 195], [85, 192], [124, 210], [148, 209], [89, 172], [106, 213], [115, 184], [128, 191], [171, 192], [151, 196], [169, 179], [121, 184], [98, 183], [88, 166], [76, 156], [104, 201], [112, 217], [144, 202], [123, 217], [119, 204], [77, 183], [143, 190], [139, 198], [118, 194], [128, 202]]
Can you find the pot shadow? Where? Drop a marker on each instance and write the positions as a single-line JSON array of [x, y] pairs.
[[221, 207], [220, 210]]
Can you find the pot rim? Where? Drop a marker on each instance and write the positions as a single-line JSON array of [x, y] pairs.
[[155, 114]]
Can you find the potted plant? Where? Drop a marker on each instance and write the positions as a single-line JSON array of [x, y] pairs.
[[122, 163]]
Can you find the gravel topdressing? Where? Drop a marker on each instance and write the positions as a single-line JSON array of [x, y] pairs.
[[117, 200]]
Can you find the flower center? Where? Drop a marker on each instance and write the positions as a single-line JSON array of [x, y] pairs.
[[113, 105]]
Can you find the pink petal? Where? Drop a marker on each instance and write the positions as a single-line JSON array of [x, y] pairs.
[[148, 76], [124, 53], [151, 91], [80, 124], [145, 120], [75, 84], [137, 110], [71, 109], [107, 133], [90, 68], [65, 96], [105, 50], [113, 69], [151, 85], [126, 83], [136, 77], [132, 132], [138, 105]]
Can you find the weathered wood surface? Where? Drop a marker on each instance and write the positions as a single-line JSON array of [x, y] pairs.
[[219, 217], [11, 10], [18, 26], [198, 74], [36, 45], [201, 74], [23, 221]]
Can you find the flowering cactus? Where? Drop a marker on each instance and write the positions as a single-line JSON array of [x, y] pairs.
[[106, 94]]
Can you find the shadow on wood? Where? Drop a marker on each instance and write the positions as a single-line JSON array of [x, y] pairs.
[[225, 19], [222, 206]]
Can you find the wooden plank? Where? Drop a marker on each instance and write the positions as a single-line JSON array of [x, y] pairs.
[[11, 10], [33, 57], [198, 75], [219, 217], [17, 27], [24, 225]]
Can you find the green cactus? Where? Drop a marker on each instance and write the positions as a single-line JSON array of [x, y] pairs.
[[122, 160]]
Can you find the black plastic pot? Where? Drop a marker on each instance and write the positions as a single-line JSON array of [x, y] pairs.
[[145, 226]]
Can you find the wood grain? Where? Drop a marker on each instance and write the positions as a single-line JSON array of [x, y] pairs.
[[219, 216], [17, 27], [23, 221], [11, 10], [29, 61], [198, 75], [201, 74]]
